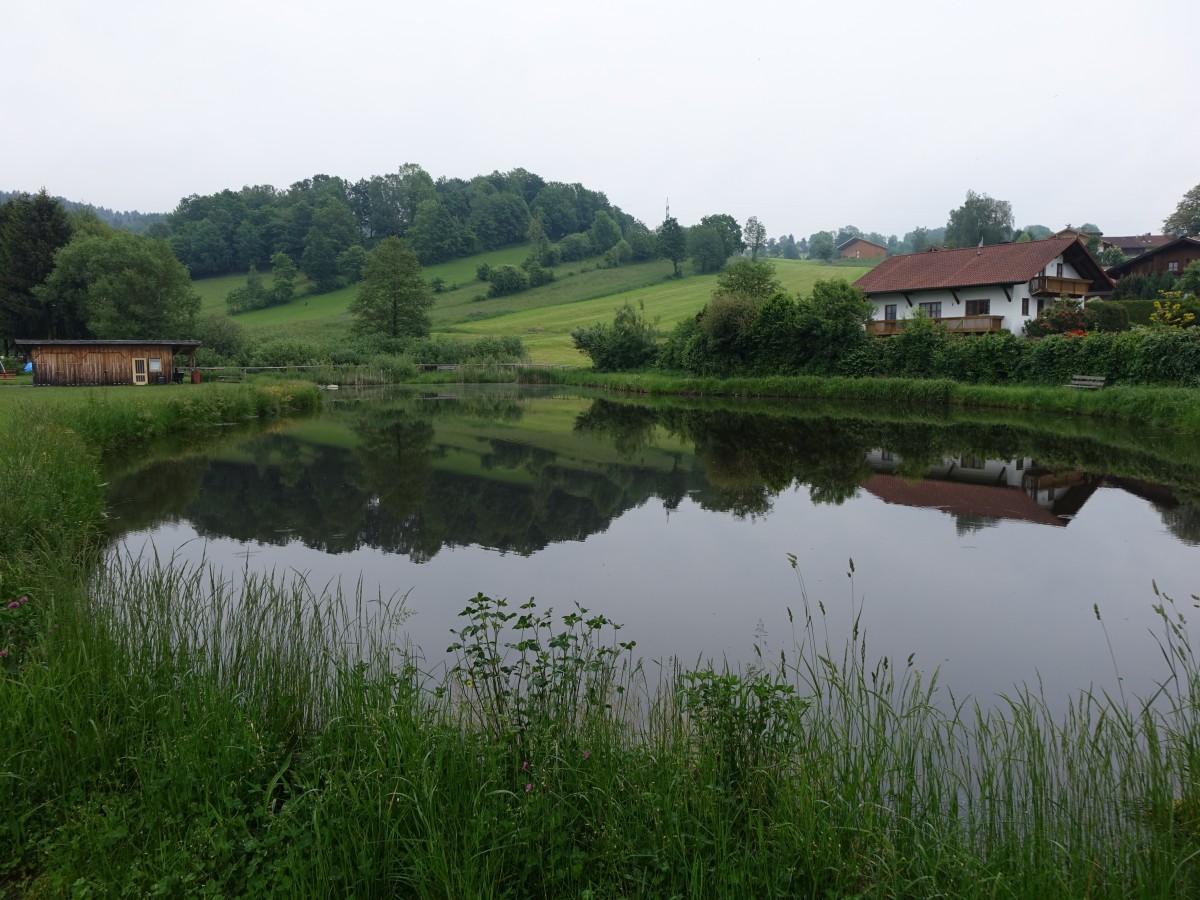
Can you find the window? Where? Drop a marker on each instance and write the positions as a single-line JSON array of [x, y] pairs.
[[979, 307], [1173, 266], [1041, 304], [889, 312], [1058, 270], [155, 364], [887, 456], [1024, 306], [971, 462], [933, 310]]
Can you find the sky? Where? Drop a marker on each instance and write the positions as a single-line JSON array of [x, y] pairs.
[[809, 116]]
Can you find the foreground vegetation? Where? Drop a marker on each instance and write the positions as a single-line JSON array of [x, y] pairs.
[[170, 732]]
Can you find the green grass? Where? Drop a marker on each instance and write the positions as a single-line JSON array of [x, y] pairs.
[[167, 732], [546, 331], [543, 317]]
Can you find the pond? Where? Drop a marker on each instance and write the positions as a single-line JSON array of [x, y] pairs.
[[982, 544]]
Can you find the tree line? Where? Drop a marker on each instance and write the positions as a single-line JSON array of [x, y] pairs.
[[68, 275]]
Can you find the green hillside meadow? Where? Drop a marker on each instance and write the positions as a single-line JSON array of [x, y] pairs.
[[543, 318]]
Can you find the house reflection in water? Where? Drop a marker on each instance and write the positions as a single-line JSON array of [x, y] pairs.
[[978, 493]]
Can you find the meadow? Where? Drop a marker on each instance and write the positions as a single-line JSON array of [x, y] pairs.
[[543, 317], [169, 733]]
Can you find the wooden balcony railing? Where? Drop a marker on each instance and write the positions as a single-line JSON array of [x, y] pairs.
[[953, 324], [1054, 285]]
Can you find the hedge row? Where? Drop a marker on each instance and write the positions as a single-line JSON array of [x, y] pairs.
[[1142, 356]]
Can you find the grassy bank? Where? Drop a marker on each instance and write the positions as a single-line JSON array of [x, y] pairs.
[[1166, 407], [171, 732]]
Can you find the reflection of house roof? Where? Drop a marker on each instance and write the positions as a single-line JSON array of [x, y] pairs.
[[993, 264], [979, 500]]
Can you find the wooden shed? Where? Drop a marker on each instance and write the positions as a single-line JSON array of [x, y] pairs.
[[107, 362]]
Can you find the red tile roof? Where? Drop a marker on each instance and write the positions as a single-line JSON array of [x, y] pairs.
[[994, 264]]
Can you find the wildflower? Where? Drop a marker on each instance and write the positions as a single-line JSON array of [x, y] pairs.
[[3, 654], [14, 604], [525, 766], [528, 788], [587, 754]]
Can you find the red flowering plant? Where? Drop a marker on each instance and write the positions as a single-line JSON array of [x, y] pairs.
[[1067, 316], [16, 633]]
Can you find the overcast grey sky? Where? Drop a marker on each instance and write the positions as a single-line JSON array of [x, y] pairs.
[[810, 116]]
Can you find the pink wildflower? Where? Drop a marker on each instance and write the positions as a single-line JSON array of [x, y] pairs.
[[525, 766], [14, 604], [528, 788], [3, 653], [587, 754]]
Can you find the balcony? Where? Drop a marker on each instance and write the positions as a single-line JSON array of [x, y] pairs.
[[953, 324], [1056, 286]]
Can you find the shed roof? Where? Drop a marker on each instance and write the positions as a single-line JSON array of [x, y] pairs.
[[176, 345], [844, 244], [974, 266]]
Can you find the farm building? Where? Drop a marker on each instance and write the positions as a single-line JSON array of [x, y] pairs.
[[860, 248], [979, 289], [106, 362]]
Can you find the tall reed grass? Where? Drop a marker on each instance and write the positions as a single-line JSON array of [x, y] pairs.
[[181, 732]]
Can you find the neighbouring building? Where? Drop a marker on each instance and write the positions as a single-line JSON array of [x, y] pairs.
[[858, 248], [979, 289], [1173, 257], [1134, 244], [106, 362]]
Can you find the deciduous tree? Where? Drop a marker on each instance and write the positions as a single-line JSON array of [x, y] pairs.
[[126, 287], [672, 242], [1186, 218], [393, 299], [706, 249], [729, 230], [980, 219], [754, 235]]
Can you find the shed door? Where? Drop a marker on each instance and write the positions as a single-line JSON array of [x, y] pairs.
[[139, 371]]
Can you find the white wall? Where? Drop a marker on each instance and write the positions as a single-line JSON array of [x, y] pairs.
[[1001, 305]]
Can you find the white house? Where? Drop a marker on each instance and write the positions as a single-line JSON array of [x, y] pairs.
[[981, 289]]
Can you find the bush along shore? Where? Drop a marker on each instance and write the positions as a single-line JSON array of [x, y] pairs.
[[170, 732]]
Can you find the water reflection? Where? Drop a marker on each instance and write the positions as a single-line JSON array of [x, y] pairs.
[[414, 474], [981, 543]]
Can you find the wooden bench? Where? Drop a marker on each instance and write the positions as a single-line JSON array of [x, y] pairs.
[[1087, 382]]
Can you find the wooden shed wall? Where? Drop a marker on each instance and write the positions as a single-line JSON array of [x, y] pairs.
[[1182, 256], [95, 365], [864, 250]]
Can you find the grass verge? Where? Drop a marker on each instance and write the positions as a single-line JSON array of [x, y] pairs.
[[1175, 408]]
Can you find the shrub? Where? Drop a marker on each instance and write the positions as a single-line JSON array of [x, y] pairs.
[[630, 342], [286, 352], [1066, 316], [537, 274], [483, 272], [507, 280]]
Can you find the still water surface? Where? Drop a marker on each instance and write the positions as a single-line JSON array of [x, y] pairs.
[[980, 545]]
